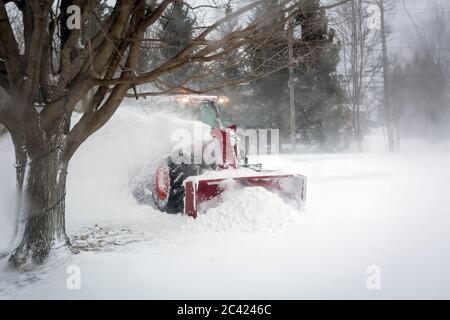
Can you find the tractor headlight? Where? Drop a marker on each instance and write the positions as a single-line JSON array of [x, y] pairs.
[[183, 99], [223, 99]]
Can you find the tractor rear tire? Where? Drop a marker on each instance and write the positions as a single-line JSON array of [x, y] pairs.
[[168, 188]]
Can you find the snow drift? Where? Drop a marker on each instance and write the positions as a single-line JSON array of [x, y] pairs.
[[244, 209]]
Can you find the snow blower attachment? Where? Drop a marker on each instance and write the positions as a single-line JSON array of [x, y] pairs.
[[203, 188], [291, 188], [185, 188]]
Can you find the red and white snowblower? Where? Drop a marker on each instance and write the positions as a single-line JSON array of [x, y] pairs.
[[184, 186]]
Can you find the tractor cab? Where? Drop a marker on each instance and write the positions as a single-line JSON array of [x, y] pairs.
[[205, 108]]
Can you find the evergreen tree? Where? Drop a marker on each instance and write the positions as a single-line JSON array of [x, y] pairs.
[[231, 68], [176, 33], [322, 117], [268, 52]]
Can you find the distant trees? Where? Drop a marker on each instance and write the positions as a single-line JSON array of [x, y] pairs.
[[419, 86], [420, 97], [429, 91]]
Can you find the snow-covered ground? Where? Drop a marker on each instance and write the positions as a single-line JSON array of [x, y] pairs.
[[363, 210]]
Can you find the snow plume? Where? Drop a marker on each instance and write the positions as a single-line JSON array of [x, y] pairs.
[[126, 150], [244, 209]]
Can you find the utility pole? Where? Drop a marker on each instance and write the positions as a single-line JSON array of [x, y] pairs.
[[291, 85], [387, 107]]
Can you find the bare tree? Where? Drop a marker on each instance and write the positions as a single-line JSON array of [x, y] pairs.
[[360, 58], [59, 65]]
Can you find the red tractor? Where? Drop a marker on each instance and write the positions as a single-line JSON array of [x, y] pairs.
[[183, 186]]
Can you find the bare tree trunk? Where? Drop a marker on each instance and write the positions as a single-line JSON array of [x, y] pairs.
[[359, 135], [43, 187], [21, 163]]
